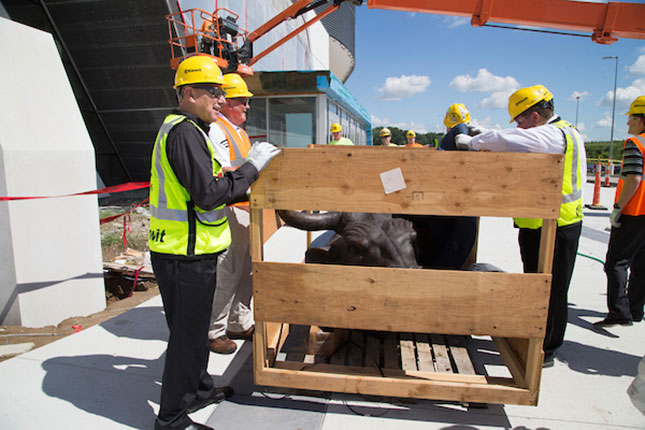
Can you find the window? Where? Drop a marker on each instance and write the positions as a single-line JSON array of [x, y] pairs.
[[292, 121]]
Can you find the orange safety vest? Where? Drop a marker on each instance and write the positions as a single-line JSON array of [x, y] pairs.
[[239, 145], [636, 205]]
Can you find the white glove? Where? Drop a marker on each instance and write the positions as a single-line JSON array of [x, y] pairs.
[[261, 153], [462, 141], [474, 130], [614, 216]]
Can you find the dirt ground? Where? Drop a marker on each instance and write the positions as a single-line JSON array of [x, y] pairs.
[[118, 284]]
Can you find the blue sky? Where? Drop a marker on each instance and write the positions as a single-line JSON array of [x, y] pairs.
[[411, 66]]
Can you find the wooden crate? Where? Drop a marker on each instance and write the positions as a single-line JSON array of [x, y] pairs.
[[509, 307]]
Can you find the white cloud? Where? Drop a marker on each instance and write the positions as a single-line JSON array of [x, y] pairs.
[[624, 96], [638, 68], [402, 87], [497, 100], [376, 121], [577, 94], [456, 21], [581, 127], [605, 122], [486, 123], [484, 82]]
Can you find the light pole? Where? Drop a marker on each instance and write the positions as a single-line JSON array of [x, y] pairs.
[[613, 108], [577, 103]]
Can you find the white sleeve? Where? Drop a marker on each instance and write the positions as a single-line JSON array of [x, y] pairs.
[[218, 137], [545, 138]]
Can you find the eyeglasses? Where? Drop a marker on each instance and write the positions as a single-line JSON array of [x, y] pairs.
[[521, 118], [242, 100], [214, 91]]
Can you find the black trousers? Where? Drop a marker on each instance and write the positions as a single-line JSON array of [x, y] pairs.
[[564, 258], [626, 250], [187, 288]]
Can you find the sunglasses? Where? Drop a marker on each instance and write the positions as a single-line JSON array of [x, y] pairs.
[[214, 91], [241, 100]]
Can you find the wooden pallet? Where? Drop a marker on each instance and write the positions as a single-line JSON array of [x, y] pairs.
[[379, 350]]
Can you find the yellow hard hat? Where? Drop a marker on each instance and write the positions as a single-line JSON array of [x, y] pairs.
[[335, 127], [410, 133], [198, 69], [385, 132], [524, 98], [637, 107], [456, 114], [234, 86]]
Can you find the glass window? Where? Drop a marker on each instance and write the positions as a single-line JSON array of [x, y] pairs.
[[292, 121], [256, 119]]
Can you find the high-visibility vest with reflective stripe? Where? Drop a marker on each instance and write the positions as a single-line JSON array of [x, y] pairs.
[[239, 146], [571, 203], [238, 142], [636, 205], [177, 226]]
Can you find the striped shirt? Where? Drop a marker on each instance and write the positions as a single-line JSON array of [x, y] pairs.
[[632, 160]]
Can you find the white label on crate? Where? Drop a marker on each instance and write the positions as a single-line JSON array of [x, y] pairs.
[[392, 180]]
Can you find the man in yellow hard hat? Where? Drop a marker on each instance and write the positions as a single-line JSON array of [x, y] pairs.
[[188, 230], [626, 250], [540, 130], [457, 121], [411, 137], [386, 137], [232, 317], [336, 138]]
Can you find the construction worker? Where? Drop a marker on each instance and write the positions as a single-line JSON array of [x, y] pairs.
[[232, 317], [336, 129], [625, 300], [540, 130], [411, 138], [456, 121], [188, 230], [386, 136]]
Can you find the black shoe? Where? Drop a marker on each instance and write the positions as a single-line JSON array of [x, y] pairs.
[[549, 359], [186, 424], [219, 394], [612, 321]]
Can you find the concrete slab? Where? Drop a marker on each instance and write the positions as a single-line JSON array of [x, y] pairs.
[[108, 376], [15, 349]]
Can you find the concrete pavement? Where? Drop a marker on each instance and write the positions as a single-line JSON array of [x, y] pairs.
[[108, 376]]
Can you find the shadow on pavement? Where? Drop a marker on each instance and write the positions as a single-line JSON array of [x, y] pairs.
[[597, 361]]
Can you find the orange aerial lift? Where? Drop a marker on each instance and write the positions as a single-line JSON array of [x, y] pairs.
[[217, 34]]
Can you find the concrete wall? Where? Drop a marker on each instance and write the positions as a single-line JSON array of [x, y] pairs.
[[50, 251]]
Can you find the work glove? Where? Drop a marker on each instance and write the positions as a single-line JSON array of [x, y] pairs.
[[614, 216], [261, 153], [462, 141], [474, 130]]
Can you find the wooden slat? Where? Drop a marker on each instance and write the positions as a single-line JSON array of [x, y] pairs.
[[390, 352], [408, 357], [424, 353], [475, 183], [547, 246], [453, 302], [356, 349], [459, 353], [415, 386], [440, 354], [373, 352]]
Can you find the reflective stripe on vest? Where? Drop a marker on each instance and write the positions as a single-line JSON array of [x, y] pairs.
[[237, 144], [571, 202], [636, 205], [176, 225]]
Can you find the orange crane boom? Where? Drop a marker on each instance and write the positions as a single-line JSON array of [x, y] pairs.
[[605, 21]]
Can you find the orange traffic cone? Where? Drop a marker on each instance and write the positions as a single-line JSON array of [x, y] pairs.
[[607, 174], [596, 191]]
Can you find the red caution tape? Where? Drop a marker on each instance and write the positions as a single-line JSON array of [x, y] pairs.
[[113, 189]]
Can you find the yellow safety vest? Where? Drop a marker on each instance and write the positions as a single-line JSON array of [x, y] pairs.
[[177, 226], [571, 203]]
